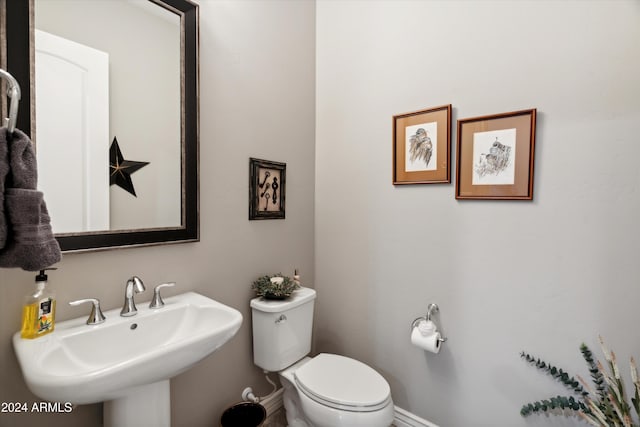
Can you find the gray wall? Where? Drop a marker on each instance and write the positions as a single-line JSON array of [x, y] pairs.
[[256, 99], [540, 276]]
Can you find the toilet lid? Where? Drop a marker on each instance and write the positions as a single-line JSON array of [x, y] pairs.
[[343, 383]]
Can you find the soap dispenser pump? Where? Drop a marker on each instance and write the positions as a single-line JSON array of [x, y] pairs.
[[39, 309]]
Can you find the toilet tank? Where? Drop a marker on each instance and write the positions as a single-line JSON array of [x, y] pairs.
[[282, 329]]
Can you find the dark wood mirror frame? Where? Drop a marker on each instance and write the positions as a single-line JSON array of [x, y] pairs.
[[18, 32]]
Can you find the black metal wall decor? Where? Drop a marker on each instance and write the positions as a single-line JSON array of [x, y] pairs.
[[266, 189], [120, 170]]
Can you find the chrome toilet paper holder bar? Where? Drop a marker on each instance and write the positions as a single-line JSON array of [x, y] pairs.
[[431, 309]]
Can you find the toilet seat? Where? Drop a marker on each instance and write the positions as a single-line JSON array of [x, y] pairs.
[[343, 383]]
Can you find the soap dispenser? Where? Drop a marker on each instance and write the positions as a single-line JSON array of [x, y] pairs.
[[39, 309]]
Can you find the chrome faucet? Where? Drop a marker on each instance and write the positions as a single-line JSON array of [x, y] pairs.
[[96, 317], [157, 301], [134, 286]]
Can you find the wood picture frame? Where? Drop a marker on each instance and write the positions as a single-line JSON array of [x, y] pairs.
[[495, 156], [422, 146], [267, 182]]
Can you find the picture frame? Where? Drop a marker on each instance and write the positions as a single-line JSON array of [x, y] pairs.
[[267, 182], [495, 156], [422, 146]]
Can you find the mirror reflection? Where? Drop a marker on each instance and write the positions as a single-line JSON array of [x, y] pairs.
[[108, 113]]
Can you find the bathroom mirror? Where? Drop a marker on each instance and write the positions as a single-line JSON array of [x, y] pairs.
[[129, 178]]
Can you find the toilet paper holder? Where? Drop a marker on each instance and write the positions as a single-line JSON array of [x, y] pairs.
[[431, 309]]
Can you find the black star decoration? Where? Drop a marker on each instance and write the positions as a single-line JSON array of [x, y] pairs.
[[121, 169]]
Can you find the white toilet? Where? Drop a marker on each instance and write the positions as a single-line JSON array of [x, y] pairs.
[[324, 391]]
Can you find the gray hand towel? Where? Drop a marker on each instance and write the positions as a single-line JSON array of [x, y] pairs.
[[4, 170], [23, 172], [31, 245]]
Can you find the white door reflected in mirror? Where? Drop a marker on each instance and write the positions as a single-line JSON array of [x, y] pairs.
[[73, 88]]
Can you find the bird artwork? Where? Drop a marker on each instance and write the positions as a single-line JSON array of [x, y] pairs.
[[421, 147], [498, 159]]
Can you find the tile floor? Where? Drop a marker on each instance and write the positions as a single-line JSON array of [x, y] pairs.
[[277, 419]]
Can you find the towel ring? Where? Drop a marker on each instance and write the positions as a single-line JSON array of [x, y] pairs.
[[13, 92]]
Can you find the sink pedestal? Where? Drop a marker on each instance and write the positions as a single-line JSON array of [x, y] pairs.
[[143, 406]]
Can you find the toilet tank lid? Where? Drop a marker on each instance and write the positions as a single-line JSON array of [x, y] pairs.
[[298, 297]]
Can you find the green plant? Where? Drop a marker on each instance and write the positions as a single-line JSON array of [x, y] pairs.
[[605, 405], [274, 286]]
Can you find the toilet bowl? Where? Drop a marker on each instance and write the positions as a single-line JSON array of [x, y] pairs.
[[327, 390], [335, 391]]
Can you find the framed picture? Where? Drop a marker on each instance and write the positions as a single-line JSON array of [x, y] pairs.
[[421, 146], [266, 189], [494, 156]]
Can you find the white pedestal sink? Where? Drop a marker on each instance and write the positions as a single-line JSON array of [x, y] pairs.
[[126, 361]]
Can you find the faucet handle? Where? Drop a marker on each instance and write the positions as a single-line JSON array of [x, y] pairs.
[[157, 301], [95, 317]]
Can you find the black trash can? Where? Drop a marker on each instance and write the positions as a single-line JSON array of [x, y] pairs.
[[244, 414]]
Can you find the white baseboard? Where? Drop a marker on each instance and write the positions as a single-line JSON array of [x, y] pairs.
[[401, 418]]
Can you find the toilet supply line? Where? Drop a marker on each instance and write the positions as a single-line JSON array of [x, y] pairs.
[[248, 396]]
